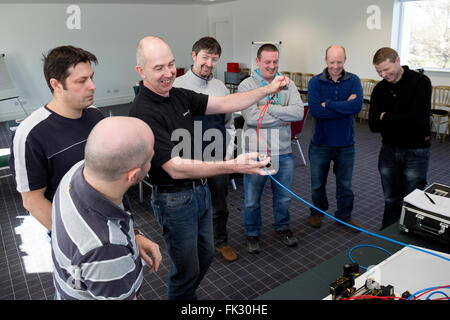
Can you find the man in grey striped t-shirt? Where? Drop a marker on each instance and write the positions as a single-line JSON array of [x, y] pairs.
[[96, 249]]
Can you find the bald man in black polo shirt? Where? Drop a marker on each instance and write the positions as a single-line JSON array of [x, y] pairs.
[[181, 199]]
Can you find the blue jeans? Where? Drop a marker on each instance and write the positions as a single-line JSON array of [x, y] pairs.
[[401, 171], [186, 221], [253, 188], [320, 157]]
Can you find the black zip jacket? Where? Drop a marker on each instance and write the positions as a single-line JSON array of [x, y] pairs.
[[407, 103]]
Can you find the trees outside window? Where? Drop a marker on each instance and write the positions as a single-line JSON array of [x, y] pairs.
[[425, 34]]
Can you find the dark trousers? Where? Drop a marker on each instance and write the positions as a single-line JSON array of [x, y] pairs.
[[343, 158], [218, 186], [402, 171]]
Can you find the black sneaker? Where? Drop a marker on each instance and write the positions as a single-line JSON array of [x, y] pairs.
[[253, 244], [286, 237]]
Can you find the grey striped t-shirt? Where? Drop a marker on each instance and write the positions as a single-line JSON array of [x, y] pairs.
[[94, 249]]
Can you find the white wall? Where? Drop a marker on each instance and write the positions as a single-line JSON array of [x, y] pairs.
[[111, 32], [439, 78], [307, 27]]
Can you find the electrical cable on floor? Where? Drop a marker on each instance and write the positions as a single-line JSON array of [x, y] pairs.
[[375, 235], [261, 116], [365, 245], [365, 231]]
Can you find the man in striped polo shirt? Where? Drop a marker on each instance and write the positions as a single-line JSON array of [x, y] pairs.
[[96, 249], [51, 140]]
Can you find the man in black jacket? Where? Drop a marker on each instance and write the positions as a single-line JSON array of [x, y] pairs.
[[400, 111]]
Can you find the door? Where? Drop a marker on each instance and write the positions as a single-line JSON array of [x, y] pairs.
[[222, 30]]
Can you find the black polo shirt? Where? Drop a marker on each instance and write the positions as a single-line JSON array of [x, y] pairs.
[[46, 145], [164, 115]]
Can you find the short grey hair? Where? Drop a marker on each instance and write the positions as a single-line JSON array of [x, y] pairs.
[[109, 164], [140, 56]]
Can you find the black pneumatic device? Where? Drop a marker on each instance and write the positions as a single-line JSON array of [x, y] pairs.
[[263, 157], [343, 287]]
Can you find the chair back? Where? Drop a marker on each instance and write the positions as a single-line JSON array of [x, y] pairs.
[[441, 97], [368, 85], [297, 78], [297, 126], [305, 79]]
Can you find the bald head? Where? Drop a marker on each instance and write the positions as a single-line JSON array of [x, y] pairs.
[[148, 45], [117, 145], [335, 58], [156, 65], [335, 50]]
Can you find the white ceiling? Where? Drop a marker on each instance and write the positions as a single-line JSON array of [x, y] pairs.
[[185, 2]]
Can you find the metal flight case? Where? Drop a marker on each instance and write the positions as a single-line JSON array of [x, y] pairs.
[[428, 216]]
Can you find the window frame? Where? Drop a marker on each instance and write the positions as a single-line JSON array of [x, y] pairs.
[[397, 40]]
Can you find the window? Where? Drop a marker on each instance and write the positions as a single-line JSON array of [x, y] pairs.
[[423, 33]]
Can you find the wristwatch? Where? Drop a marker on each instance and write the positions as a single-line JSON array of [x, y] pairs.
[[138, 232]]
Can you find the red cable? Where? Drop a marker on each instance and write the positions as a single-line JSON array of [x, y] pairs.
[[389, 298], [261, 117], [430, 291], [258, 127], [373, 297]]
